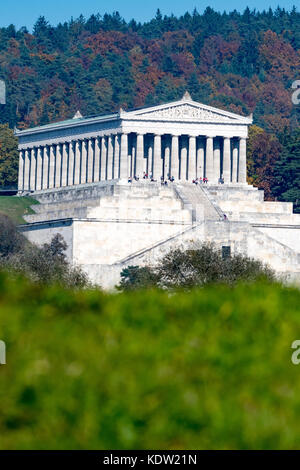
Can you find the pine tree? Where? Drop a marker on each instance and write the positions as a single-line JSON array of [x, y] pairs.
[[287, 170]]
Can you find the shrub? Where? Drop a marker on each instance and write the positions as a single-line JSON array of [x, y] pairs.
[[195, 267], [136, 277], [46, 264], [11, 241]]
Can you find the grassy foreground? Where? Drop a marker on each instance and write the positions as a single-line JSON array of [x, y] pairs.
[[15, 207], [208, 369]]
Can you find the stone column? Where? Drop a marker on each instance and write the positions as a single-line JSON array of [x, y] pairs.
[[191, 170], [96, 176], [145, 168], [183, 160], [71, 163], [133, 159], [103, 158], [84, 150], [150, 159], [77, 147], [58, 161], [167, 161], [124, 157], [226, 160], [175, 157], [64, 165], [242, 174], [116, 166], [209, 171], [200, 159], [217, 160], [157, 163], [110, 154], [39, 169], [45, 183], [235, 154], [90, 160], [33, 169], [21, 171], [139, 156], [51, 166], [27, 169]]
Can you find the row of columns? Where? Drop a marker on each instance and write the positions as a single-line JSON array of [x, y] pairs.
[[76, 162], [120, 156]]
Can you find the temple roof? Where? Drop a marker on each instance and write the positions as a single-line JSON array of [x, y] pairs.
[[184, 110]]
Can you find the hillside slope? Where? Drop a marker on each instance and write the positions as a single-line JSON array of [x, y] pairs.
[[16, 207]]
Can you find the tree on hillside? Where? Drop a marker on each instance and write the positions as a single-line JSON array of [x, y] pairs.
[[11, 241], [46, 264], [9, 157], [262, 154], [287, 170]]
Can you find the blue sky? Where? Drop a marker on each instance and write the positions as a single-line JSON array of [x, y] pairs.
[[25, 12]]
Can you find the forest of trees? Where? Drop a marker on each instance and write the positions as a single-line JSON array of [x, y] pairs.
[[243, 62]]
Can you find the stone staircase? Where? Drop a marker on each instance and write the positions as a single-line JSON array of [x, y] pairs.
[[198, 199], [212, 203]]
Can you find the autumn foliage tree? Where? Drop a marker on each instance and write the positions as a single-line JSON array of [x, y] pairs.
[[263, 153], [8, 157], [243, 62]]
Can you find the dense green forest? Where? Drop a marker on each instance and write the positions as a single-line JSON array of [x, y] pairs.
[[243, 62]]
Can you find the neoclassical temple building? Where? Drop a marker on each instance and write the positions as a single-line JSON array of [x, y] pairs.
[[88, 176], [184, 139]]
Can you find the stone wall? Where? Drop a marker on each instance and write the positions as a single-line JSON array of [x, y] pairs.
[[110, 226], [43, 232]]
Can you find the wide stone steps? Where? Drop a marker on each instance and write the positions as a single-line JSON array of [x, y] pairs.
[[44, 208], [79, 212], [136, 201], [196, 197]]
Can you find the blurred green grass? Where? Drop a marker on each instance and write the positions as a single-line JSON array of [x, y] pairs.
[[15, 207], [209, 369]]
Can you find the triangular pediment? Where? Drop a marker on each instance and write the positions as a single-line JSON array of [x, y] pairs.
[[188, 110]]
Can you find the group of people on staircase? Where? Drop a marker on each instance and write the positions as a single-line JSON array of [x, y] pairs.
[[203, 180], [200, 180]]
